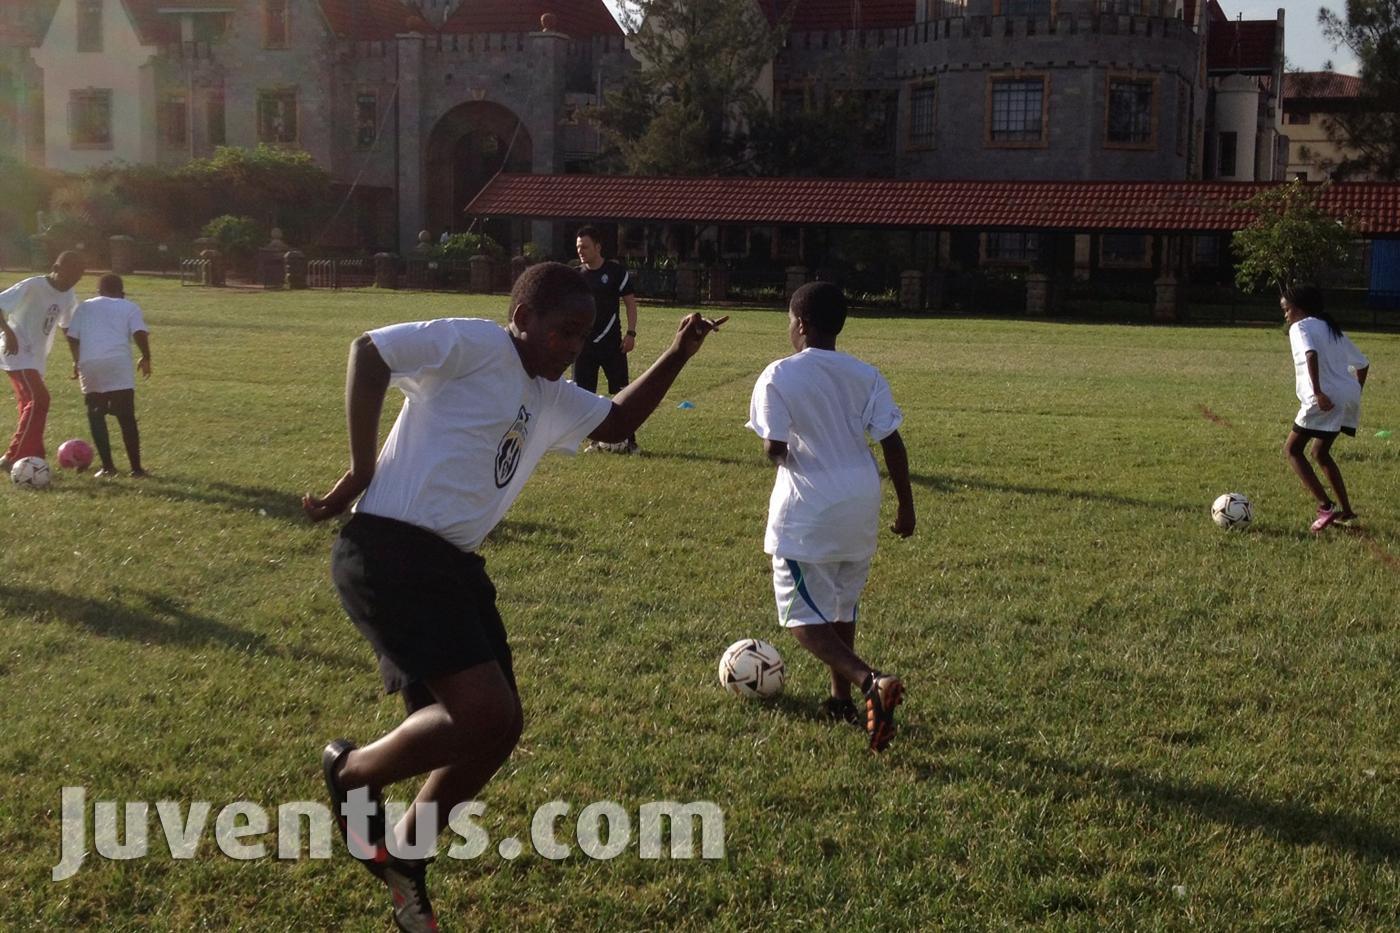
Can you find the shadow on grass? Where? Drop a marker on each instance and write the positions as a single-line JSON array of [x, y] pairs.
[[1291, 823], [159, 620], [947, 484], [274, 503]]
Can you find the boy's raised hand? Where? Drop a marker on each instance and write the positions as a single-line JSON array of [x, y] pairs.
[[692, 332]]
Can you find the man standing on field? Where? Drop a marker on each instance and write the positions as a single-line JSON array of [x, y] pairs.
[[607, 345]]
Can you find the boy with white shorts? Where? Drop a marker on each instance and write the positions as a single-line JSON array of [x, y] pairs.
[[814, 410]]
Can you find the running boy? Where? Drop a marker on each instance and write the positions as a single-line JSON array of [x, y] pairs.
[[100, 338], [813, 411], [1329, 396], [483, 404], [30, 312]]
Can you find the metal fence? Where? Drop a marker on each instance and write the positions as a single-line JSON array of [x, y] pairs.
[[339, 273], [194, 272]]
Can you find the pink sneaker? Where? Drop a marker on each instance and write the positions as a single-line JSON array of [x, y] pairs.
[[1325, 517]]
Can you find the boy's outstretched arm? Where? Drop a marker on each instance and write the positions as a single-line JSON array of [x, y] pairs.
[[366, 384], [634, 404], [897, 465]]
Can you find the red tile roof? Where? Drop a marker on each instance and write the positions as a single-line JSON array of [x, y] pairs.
[[1236, 46], [825, 15], [1315, 85], [1033, 205], [367, 19], [572, 17]]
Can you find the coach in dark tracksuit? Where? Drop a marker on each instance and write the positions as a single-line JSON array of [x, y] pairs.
[[609, 344]]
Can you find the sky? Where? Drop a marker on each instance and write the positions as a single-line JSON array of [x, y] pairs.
[[1304, 45]]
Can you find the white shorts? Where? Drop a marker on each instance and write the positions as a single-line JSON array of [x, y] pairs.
[[818, 593]]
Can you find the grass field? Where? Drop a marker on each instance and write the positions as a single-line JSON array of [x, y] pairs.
[[1119, 716]]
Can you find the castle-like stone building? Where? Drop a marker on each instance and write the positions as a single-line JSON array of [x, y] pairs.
[[416, 105]]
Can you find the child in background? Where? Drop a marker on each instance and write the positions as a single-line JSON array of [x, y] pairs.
[[100, 338], [814, 410]]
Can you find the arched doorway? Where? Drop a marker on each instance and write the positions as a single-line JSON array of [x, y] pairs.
[[469, 145]]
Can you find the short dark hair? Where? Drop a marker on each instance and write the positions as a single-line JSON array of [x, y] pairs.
[[590, 231], [551, 287], [822, 305], [111, 285]]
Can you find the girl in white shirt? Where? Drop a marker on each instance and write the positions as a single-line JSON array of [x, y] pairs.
[[1323, 360]]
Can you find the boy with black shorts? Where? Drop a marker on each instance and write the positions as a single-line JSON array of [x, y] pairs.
[[814, 410], [483, 404], [100, 337]]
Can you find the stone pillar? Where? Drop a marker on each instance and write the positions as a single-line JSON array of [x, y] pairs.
[[1037, 294], [688, 283], [294, 262], [213, 274], [410, 137], [40, 253], [480, 273], [386, 270], [123, 254], [911, 290], [424, 246], [719, 283], [1167, 307], [796, 278]]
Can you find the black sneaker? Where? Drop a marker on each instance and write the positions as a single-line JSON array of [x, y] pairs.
[[406, 878], [838, 709], [882, 694], [370, 852]]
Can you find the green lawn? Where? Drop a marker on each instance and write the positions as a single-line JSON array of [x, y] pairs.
[[1118, 715]]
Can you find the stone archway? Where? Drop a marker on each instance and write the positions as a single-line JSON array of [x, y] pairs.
[[468, 146]]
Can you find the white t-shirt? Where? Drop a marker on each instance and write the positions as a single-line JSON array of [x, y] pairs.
[[1334, 354], [472, 429], [825, 504], [34, 309], [103, 328]]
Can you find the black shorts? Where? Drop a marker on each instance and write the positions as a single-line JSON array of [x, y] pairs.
[[1321, 435], [426, 606]]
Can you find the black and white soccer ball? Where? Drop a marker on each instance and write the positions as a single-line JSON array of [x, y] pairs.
[[753, 669], [1232, 510], [30, 473]]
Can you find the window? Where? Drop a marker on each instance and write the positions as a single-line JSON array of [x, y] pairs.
[[89, 25], [218, 134], [277, 117], [1130, 112], [90, 119], [1017, 110], [366, 120], [1226, 157], [921, 114], [1297, 118], [1012, 247], [1024, 8], [1207, 251], [1123, 249], [209, 27], [733, 240], [174, 121], [274, 24], [878, 128]]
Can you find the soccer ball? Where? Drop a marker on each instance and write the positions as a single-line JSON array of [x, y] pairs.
[[30, 473], [752, 668], [1232, 510], [75, 455]]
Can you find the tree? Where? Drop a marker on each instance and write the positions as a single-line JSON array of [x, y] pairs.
[[1371, 129], [1291, 239], [687, 108]]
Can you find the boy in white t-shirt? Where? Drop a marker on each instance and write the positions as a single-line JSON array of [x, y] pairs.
[[100, 337], [1329, 372], [30, 312], [814, 411], [482, 405]]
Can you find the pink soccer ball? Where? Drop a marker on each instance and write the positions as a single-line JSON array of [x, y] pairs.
[[75, 455]]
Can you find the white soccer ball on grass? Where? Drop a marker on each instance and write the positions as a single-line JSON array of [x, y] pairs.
[[753, 669], [1232, 510]]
